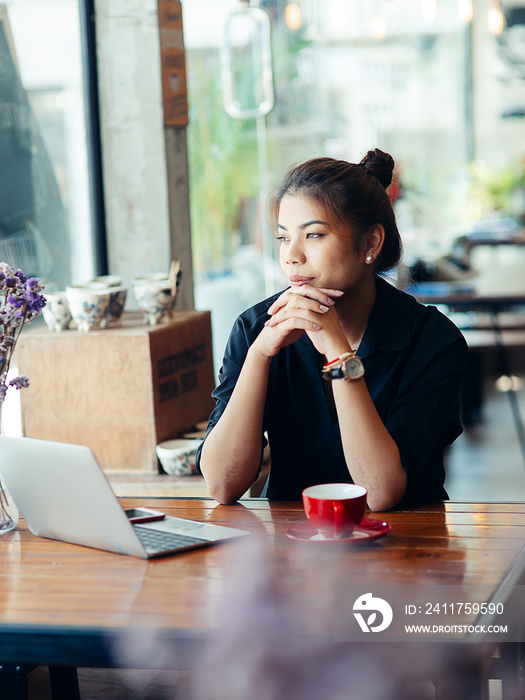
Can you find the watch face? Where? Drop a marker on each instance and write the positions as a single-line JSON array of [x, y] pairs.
[[354, 368]]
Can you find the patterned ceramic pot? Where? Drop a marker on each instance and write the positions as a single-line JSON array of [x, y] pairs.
[[109, 280], [177, 457], [56, 312], [117, 300], [155, 298], [87, 305]]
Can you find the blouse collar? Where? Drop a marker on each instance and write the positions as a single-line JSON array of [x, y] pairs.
[[388, 327]]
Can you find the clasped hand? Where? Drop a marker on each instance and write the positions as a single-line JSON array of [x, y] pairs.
[[303, 309]]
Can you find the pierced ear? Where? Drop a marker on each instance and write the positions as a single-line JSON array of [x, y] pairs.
[[375, 241]]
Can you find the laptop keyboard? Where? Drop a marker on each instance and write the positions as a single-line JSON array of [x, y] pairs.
[[156, 541]]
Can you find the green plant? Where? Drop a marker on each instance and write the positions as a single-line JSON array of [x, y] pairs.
[[222, 164], [495, 190]]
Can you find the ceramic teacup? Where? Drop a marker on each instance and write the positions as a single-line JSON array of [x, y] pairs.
[[109, 280], [335, 510], [87, 305], [115, 307], [155, 298], [56, 312], [178, 456]]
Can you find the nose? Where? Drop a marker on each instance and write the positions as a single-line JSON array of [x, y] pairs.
[[294, 253]]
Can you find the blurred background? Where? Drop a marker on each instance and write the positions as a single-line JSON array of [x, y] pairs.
[[92, 183]]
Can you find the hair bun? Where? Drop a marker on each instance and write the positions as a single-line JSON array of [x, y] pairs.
[[380, 165]]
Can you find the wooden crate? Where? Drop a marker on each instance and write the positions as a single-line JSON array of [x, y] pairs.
[[121, 390]]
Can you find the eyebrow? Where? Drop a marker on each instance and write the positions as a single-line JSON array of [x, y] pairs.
[[308, 223]]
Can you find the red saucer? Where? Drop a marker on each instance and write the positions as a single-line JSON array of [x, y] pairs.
[[368, 529]]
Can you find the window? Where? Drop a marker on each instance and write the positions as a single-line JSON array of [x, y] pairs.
[[48, 178], [348, 76], [46, 225]]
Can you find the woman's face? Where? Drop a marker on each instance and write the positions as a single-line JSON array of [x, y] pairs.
[[315, 252]]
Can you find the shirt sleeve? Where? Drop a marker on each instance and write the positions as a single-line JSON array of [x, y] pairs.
[[243, 333]]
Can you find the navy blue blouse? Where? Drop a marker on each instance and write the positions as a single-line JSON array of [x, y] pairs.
[[414, 359]]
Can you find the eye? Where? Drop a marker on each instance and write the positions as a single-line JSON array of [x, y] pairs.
[[315, 235], [280, 239]]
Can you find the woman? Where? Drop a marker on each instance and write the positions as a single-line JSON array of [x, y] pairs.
[[389, 405]]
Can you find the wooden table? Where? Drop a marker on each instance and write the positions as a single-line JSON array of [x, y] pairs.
[[65, 605], [494, 241], [493, 289]]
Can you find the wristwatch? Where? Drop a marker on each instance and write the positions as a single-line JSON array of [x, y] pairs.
[[350, 369]]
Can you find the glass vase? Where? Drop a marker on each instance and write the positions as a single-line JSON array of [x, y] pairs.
[[8, 509]]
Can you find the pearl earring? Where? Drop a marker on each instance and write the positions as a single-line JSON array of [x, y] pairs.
[[368, 258]]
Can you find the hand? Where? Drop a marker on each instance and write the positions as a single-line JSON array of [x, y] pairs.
[[304, 309]]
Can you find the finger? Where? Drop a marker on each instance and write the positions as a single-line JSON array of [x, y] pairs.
[[330, 296], [281, 301], [306, 308], [323, 296], [332, 292], [301, 306], [293, 323], [289, 318], [277, 304]]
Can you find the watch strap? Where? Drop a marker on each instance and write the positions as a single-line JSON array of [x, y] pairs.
[[333, 373], [338, 371]]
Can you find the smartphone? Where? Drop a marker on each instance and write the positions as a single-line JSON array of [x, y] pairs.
[[143, 515]]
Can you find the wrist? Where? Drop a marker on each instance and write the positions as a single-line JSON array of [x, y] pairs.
[[257, 355], [335, 353], [339, 359]]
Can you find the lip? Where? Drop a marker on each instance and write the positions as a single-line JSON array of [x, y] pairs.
[[297, 281]]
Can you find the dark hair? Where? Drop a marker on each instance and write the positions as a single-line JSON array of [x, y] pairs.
[[350, 193]]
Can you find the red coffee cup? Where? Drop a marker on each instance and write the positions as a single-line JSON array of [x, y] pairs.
[[335, 510]]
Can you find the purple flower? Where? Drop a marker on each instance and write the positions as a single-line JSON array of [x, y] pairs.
[[6, 269], [15, 301], [21, 382], [36, 302], [20, 302]]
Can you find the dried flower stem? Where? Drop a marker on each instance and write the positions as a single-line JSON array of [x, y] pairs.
[[5, 519], [5, 367]]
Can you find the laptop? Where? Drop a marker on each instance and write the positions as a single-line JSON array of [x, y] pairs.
[[63, 494]]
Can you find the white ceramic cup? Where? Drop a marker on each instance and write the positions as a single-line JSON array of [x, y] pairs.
[[87, 305], [154, 297], [56, 312], [109, 280], [177, 456]]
